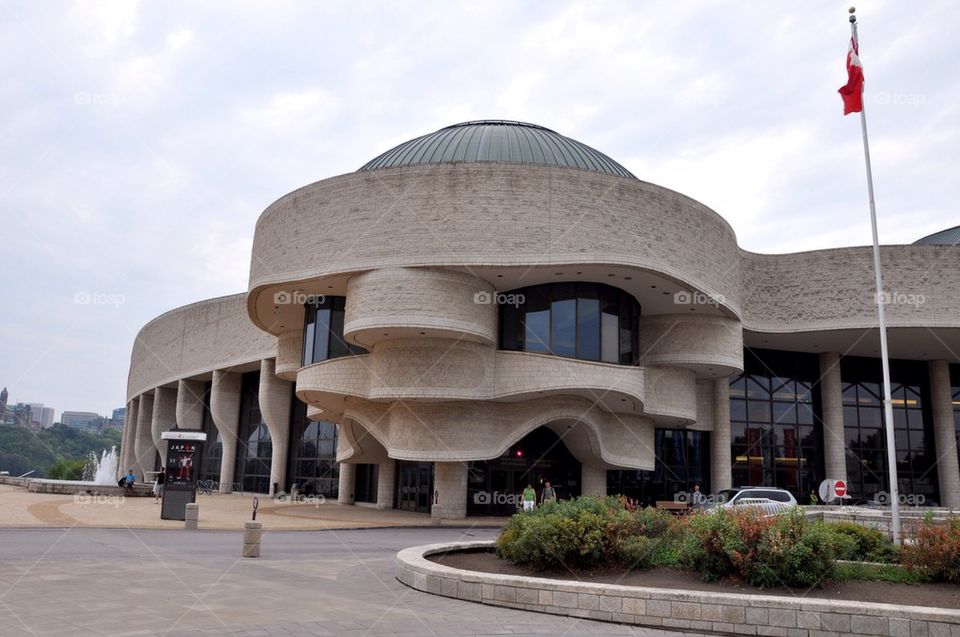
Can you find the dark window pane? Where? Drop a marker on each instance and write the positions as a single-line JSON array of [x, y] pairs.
[[338, 346], [588, 328], [563, 327], [321, 339]]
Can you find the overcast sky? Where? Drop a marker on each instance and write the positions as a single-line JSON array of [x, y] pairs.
[[140, 142]]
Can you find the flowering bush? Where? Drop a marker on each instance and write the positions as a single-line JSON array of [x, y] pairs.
[[784, 550], [934, 550]]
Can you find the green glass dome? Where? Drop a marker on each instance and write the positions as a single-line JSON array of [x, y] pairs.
[[948, 237], [497, 141]]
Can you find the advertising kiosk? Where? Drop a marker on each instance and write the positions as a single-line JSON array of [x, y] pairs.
[[183, 463]]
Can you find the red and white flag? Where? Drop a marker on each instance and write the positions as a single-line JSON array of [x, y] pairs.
[[852, 91]]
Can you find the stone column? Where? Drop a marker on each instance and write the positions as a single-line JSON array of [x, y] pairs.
[[348, 474], [450, 482], [143, 449], [386, 484], [128, 441], [944, 434], [225, 411], [190, 404], [593, 480], [274, 397], [831, 401], [721, 460], [164, 418]]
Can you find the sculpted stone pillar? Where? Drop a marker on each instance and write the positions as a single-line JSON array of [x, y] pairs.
[[348, 474], [190, 404], [831, 401], [721, 460], [143, 448], [225, 411], [128, 441], [164, 418], [593, 480], [450, 483], [944, 434], [275, 397], [386, 484]]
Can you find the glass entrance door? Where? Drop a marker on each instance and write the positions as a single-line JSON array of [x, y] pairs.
[[414, 486]]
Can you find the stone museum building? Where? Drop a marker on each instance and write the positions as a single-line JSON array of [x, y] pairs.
[[494, 304]]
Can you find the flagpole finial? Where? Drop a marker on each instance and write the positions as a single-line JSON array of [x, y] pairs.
[[853, 10]]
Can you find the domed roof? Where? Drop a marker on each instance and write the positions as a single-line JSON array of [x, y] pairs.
[[948, 237], [497, 140]]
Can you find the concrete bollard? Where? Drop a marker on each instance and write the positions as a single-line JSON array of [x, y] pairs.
[[252, 532], [192, 517], [436, 512]]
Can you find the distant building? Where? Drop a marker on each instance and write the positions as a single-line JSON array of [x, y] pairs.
[[23, 415], [81, 420], [47, 418], [119, 417]]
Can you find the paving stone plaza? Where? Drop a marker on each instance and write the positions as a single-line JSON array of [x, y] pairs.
[[124, 582]]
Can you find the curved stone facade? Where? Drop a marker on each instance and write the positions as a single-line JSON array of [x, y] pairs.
[[418, 257]]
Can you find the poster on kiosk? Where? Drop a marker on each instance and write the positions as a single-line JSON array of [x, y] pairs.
[[183, 463]]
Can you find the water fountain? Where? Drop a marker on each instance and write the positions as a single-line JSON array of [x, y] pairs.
[[102, 470], [100, 476]]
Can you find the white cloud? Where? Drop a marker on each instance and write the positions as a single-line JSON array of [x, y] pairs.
[[197, 115]]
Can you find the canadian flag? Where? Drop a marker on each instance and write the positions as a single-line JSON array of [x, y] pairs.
[[852, 91]]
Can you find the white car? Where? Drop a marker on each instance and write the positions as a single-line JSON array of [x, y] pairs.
[[770, 500]]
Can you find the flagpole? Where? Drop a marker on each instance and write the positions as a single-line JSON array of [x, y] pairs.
[[881, 315]]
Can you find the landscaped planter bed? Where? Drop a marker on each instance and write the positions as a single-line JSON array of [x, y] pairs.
[[935, 595], [715, 609]]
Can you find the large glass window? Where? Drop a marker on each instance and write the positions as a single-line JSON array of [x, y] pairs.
[[775, 423], [682, 461], [254, 448], [323, 331], [313, 454], [213, 447], [865, 436], [955, 382], [590, 321]]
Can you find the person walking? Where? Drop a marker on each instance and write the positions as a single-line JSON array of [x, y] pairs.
[[158, 485], [529, 498], [549, 493]]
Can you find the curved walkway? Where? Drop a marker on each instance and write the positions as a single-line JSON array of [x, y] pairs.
[[340, 582]]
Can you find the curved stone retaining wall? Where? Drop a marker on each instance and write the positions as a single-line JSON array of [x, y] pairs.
[[727, 613]]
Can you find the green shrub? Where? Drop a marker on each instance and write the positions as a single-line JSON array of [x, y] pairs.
[[934, 550], [864, 544], [585, 533], [784, 550], [638, 551]]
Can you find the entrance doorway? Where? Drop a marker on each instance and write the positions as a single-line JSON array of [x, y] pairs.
[[494, 487], [414, 486]]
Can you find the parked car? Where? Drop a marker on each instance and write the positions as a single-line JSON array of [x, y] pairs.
[[769, 500]]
